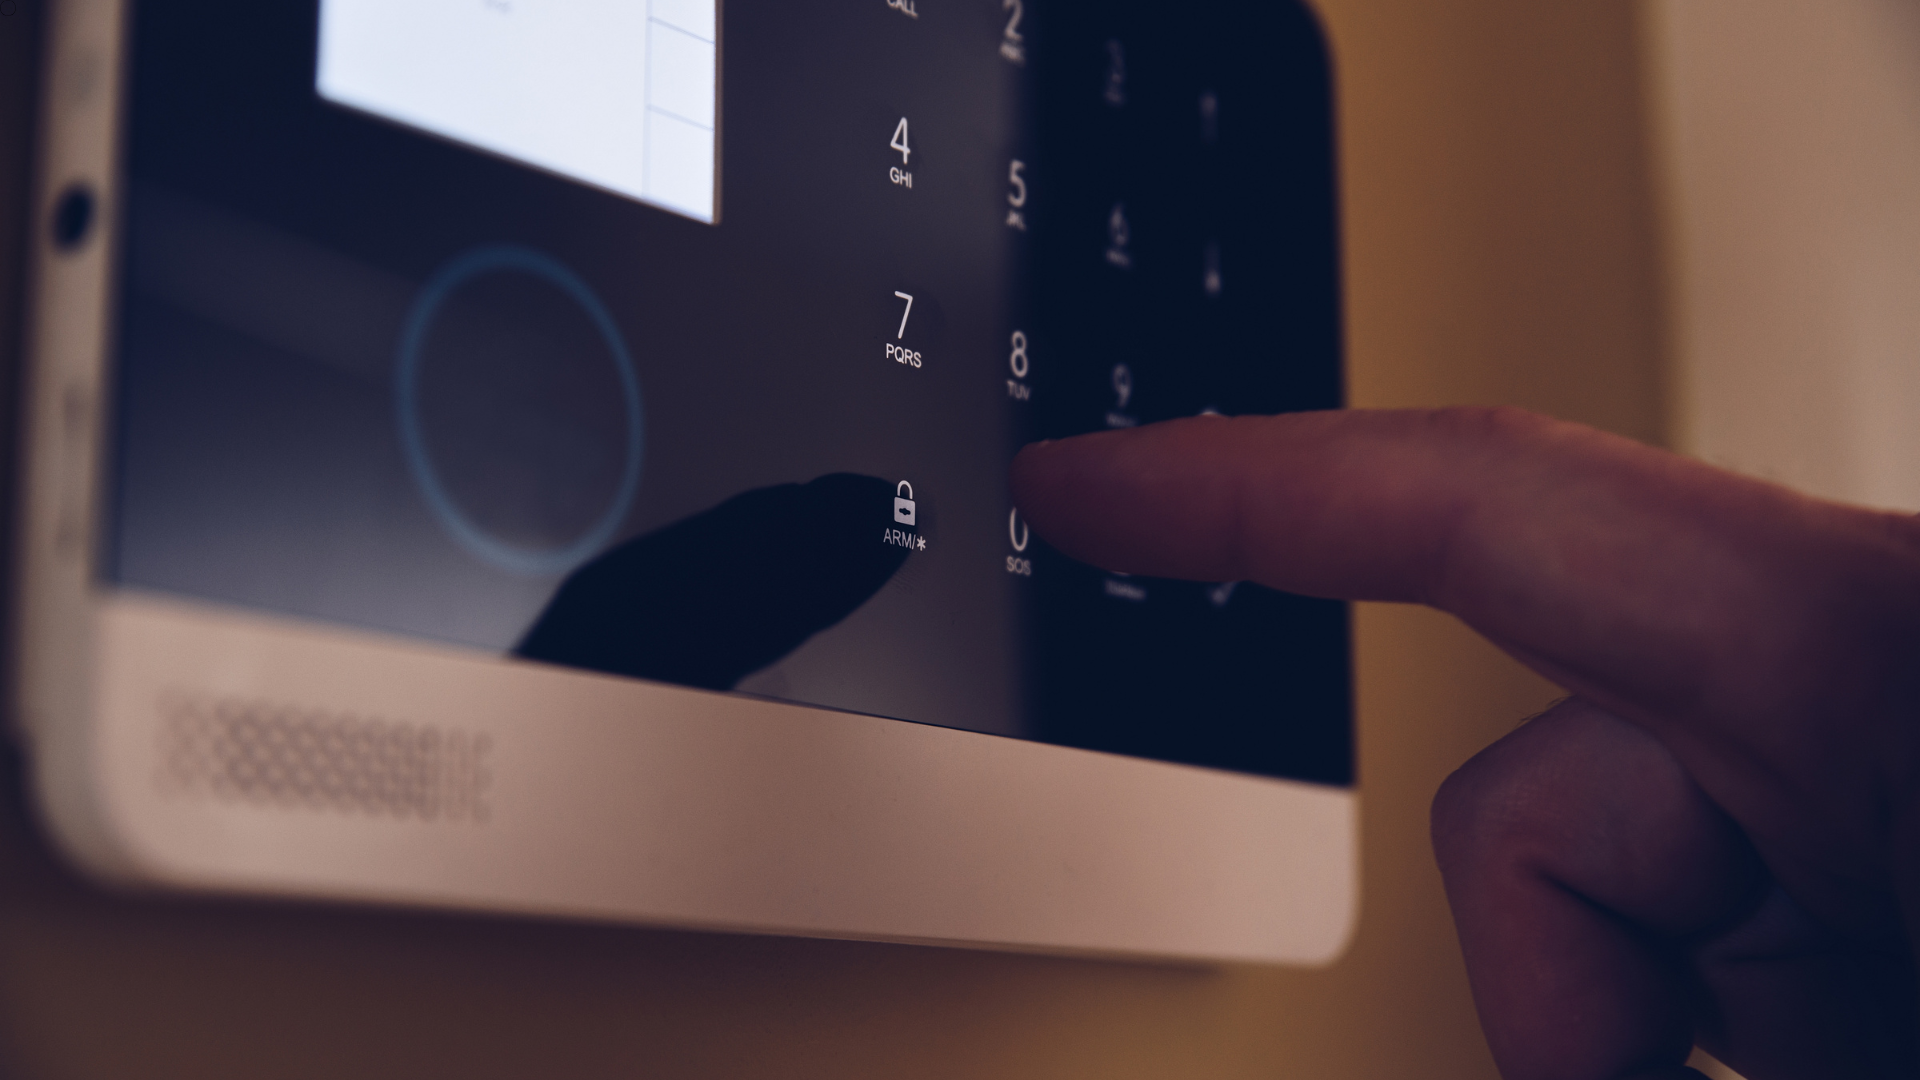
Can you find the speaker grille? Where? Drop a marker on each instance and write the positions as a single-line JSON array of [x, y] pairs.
[[254, 752]]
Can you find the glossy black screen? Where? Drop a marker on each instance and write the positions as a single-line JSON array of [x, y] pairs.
[[378, 378]]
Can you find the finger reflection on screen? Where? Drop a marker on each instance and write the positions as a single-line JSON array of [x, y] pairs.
[[712, 599]]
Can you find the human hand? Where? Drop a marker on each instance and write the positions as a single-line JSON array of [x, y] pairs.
[[1716, 839]]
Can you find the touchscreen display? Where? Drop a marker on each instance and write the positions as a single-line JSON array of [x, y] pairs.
[[689, 341]]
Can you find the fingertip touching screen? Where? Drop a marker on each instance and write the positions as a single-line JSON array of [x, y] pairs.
[[689, 341]]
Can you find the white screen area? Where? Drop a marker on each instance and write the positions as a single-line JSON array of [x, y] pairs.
[[614, 93]]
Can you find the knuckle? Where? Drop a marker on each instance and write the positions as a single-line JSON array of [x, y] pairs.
[[1494, 801], [1496, 425], [1472, 807]]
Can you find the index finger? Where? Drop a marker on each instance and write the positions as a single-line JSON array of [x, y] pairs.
[[1638, 578]]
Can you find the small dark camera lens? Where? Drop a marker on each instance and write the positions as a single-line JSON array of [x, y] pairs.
[[8, 7], [73, 217]]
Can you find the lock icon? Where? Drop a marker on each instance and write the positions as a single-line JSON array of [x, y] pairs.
[[903, 508]]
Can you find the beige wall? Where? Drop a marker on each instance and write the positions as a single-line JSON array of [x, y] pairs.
[[1790, 145], [1500, 246]]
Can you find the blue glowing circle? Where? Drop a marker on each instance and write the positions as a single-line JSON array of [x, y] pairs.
[[491, 549]]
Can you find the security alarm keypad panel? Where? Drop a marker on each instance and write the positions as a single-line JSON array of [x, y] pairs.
[[551, 457], [692, 345]]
